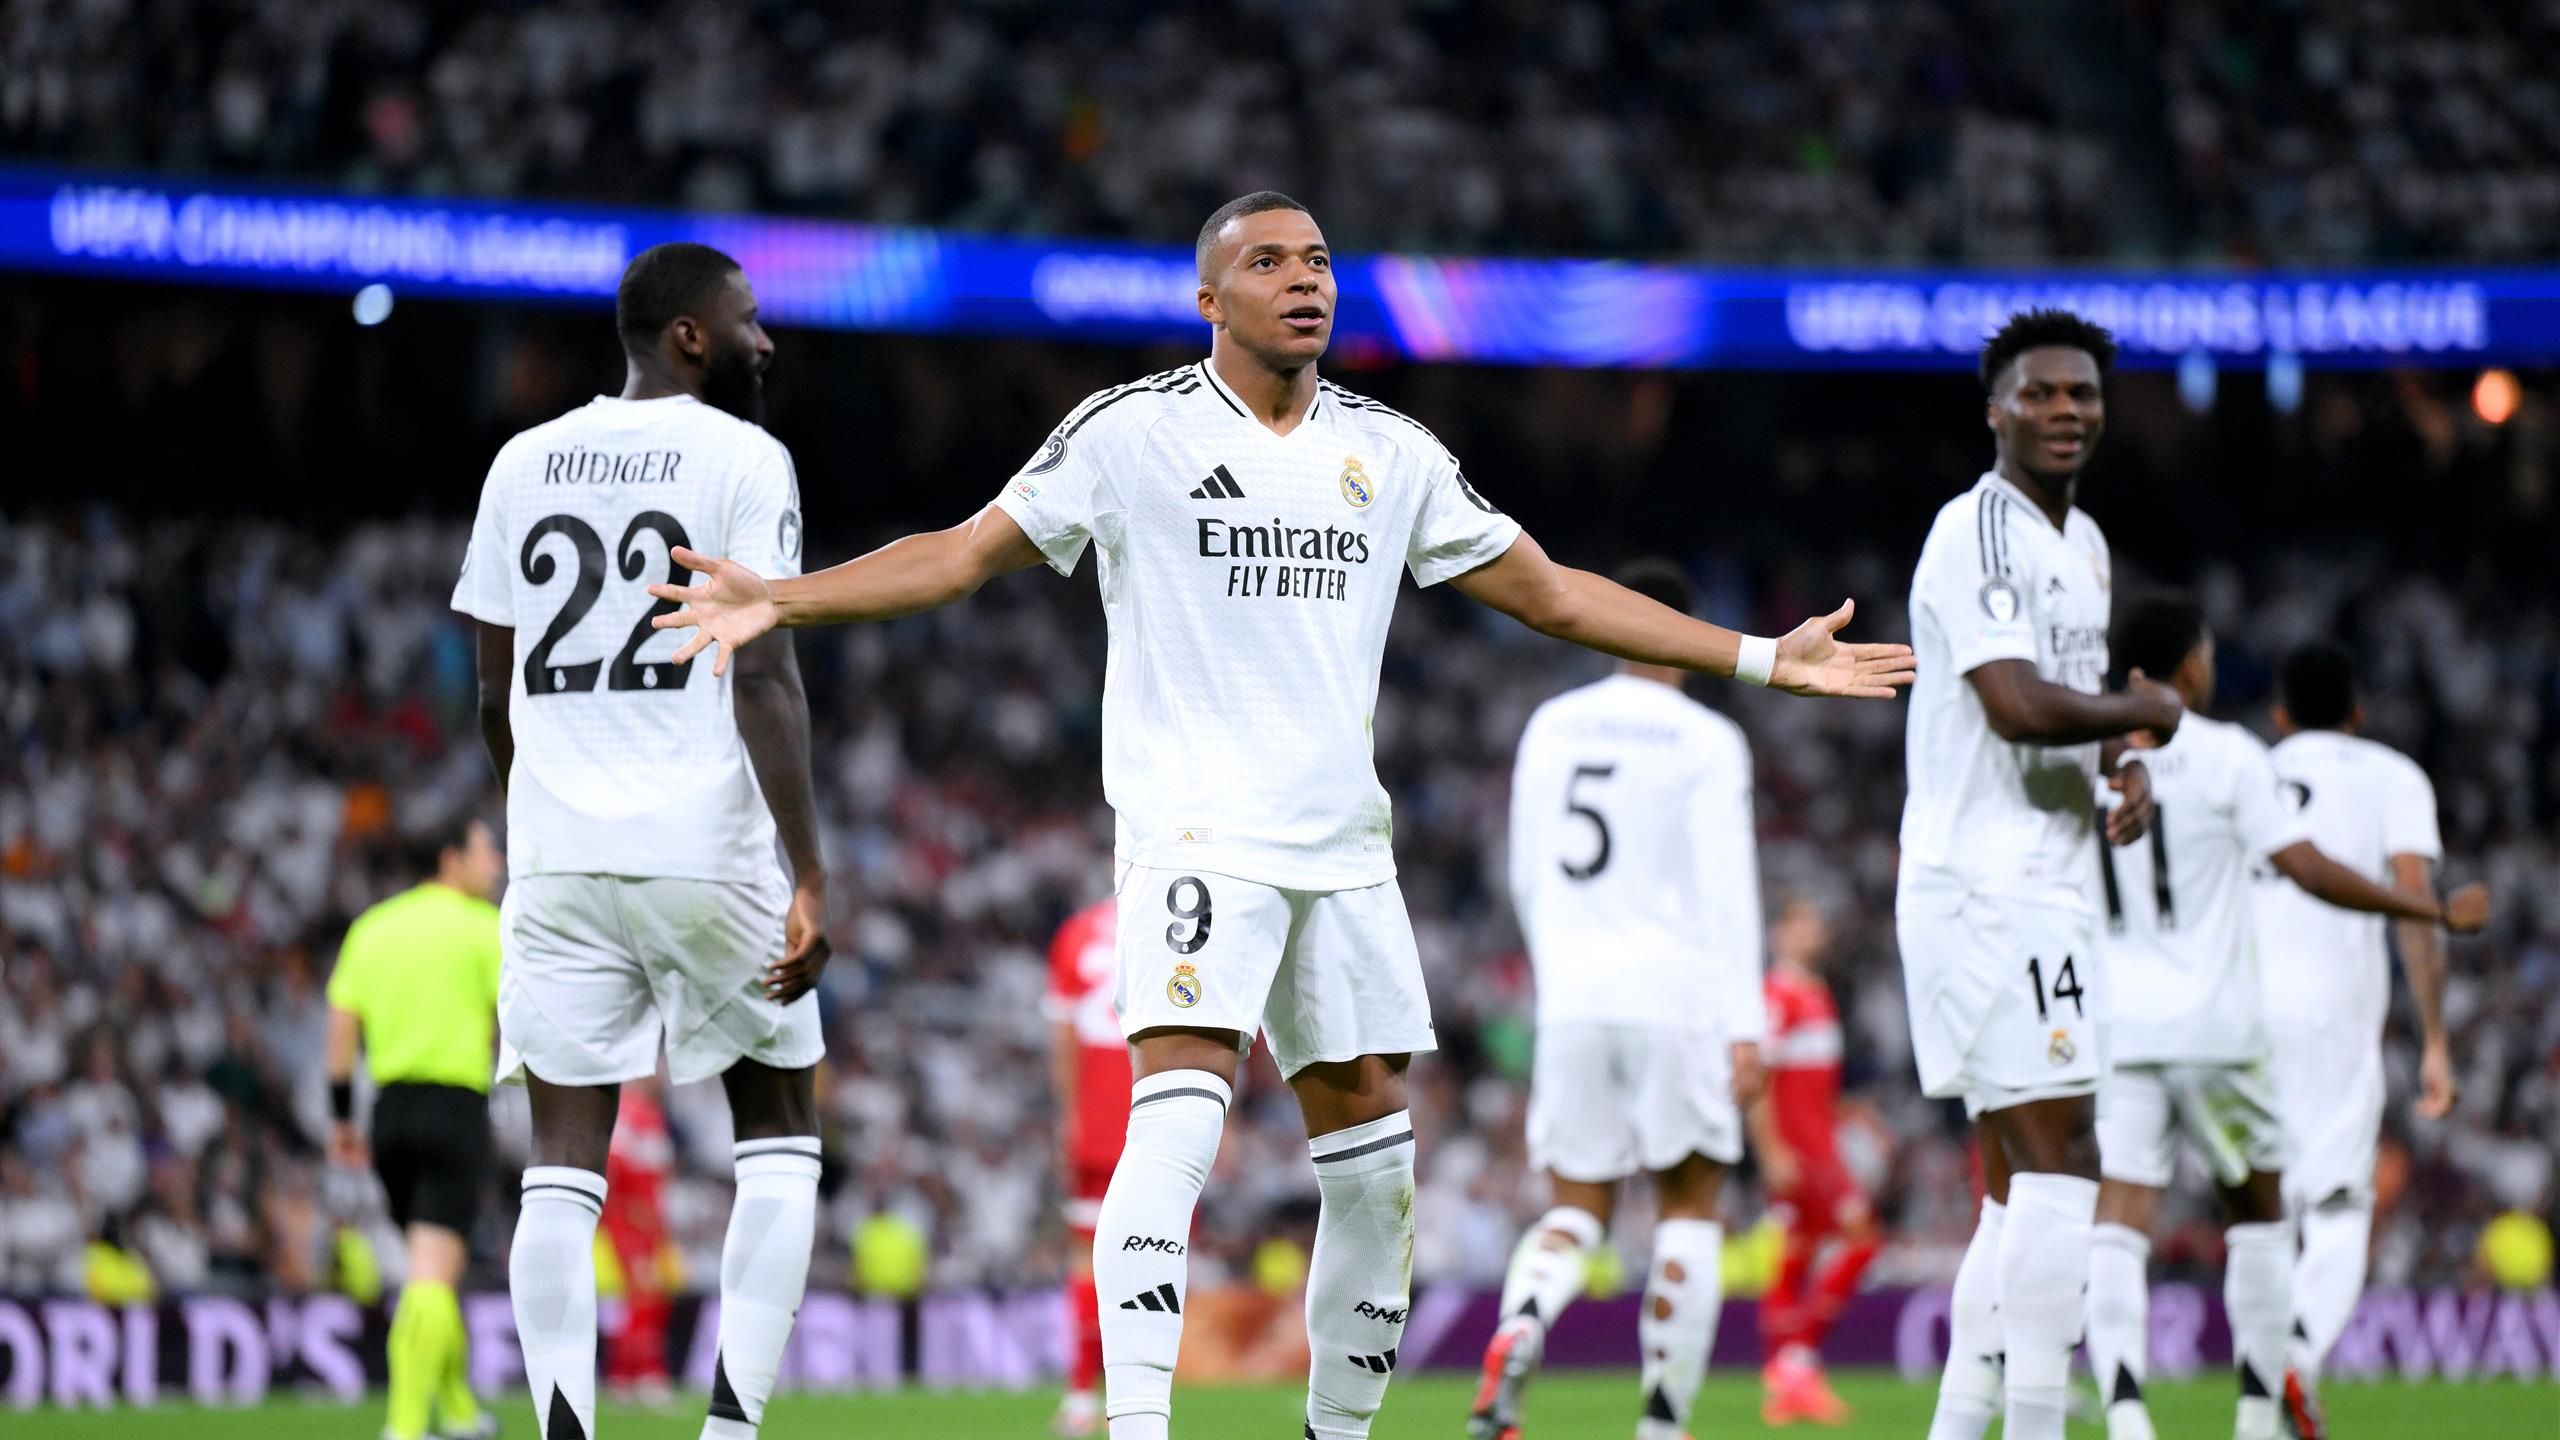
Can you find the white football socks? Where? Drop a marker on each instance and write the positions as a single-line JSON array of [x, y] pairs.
[[2120, 1326], [2044, 1267], [1544, 1276], [551, 1276], [764, 1268], [1683, 1299], [2328, 1279], [1969, 1388], [1141, 1238], [2257, 1293], [1360, 1278]]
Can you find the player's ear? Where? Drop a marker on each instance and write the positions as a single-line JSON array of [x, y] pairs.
[[1210, 309], [687, 333]]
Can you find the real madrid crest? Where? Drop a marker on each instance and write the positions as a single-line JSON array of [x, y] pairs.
[[2060, 1051], [1355, 483], [1184, 988]]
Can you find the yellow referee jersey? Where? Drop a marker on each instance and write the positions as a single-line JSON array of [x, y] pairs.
[[421, 971]]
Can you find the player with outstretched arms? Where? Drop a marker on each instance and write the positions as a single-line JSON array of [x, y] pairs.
[[2327, 984], [2009, 729], [1636, 877], [644, 797], [2186, 1047], [1249, 521], [1795, 1130], [1089, 1078]]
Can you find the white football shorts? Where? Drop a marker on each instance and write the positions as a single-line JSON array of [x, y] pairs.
[[597, 969], [1323, 974], [2229, 1111], [2329, 1094], [1607, 1101], [2004, 998]]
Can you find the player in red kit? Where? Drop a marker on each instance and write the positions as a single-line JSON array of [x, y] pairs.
[[637, 1164], [1793, 1131], [1089, 1070]]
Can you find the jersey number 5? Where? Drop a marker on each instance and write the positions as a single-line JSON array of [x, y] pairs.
[[541, 677], [1573, 805]]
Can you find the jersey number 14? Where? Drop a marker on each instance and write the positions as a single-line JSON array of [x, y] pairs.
[[541, 677]]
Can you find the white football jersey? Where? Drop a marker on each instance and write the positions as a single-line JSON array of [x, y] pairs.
[[1633, 864], [1997, 581], [2363, 803], [2179, 942], [1247, 579], [626, 764]]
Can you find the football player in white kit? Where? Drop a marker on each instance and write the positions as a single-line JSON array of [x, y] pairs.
[[1993, 906], [2327, 986], [1636, 877], [2186, 1048], [644, 797], [1250, 521]]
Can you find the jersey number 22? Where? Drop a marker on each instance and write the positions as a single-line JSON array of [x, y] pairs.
[[541, 677]]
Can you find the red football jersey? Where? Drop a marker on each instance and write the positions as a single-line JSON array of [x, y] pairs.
[[1803, 1056], [1080, 984]]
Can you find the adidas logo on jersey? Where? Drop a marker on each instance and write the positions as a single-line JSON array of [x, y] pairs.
[[1219, 486], [1161, 1300]]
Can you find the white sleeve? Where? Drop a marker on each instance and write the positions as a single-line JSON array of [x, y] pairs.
[[764, 515], [1522, 862], [2262, 807], [2409, 814], [1058, 492], [1977, 587], [1728, 847], [486, 588], [1456, 529]]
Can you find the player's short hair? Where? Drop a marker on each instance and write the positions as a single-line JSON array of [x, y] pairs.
[[1655, 578], [427, 845], [2157, 634], [1236, 209], [2318, 686], [2034, 330], [664, 282]]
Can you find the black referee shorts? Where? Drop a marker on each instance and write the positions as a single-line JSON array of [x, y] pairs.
[[431, 1148]]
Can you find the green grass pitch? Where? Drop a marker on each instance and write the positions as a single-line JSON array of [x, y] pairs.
[[1561, 1407]]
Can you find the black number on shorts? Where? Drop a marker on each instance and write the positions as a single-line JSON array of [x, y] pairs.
[[1599, 860], [540, 678], [657, 674], [2066, 986], [2163, 903], [1197, 912]]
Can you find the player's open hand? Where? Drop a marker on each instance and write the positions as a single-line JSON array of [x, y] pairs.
[[730, 604], [2131, 818], [805, 950], [2466, 911], [2436, 1088], [1813, 660]]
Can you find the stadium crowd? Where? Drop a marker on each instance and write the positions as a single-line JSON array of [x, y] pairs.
[[219, 730], [1765, 131]]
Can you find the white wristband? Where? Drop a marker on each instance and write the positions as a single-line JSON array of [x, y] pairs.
[[1759, 656]]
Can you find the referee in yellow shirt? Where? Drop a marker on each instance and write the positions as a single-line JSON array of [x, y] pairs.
[[417, 983]]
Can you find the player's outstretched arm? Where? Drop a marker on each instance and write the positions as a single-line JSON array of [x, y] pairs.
[[2307, 865], [2024, 708], [1590, 610], [732, 605]]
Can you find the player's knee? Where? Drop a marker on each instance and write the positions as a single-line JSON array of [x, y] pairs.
[[770, 1104]]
